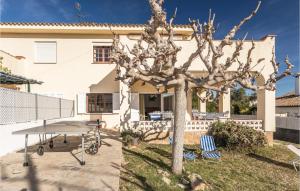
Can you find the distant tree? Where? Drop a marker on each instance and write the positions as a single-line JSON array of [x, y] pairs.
[[241, 103], [195, 101], [212, 105], [3, 68]]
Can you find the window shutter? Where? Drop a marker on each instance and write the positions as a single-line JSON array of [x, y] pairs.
[[134, 107], [45, 52], [81, 103], [116, 102]]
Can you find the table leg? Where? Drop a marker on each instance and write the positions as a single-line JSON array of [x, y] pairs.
[[82, 162], [44, 136], [65, 138], [25, 151], [99, 138]]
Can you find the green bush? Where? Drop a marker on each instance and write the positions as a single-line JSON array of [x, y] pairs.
[[130, 137], [233, 136]]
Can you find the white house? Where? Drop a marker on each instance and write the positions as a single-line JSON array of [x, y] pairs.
[[72, 59]]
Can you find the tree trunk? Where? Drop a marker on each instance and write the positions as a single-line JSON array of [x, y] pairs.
[[179, 125]]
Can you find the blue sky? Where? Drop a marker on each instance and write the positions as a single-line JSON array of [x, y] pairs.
[[279, 17]]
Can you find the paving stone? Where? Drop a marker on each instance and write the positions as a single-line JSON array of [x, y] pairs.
[[58, 168]]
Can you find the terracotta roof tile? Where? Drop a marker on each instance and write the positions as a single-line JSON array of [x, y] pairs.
[[290, 100], [84, 24]]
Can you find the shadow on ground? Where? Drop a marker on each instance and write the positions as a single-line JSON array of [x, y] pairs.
[[141, 179], [160, 152], [154, 162], [271, 161], [138, 180]]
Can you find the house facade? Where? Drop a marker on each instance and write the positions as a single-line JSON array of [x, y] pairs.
[[72, 60]]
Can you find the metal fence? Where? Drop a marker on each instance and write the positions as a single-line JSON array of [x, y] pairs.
[[17, 107], [288, 123]]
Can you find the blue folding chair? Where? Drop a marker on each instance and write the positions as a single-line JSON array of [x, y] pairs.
[[208, 147], [187, 155]]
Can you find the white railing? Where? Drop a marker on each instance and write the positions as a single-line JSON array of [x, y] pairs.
[[19, 107], [253, 123], [193, 125], [198, 125], [152, 125]]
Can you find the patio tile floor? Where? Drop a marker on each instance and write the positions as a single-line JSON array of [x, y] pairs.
[[60, 170]]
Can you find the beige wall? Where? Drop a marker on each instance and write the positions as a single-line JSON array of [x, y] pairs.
[[16, 65], [74, 72]]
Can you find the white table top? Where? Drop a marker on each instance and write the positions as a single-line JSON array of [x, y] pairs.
[[63, 127]]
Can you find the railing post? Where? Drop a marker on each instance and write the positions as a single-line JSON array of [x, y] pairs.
[[59, 107], [73, 108], [36, 107]]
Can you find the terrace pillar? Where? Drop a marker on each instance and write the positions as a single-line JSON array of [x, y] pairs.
[[189, 105], [224, 103], [202, 105], [266, 112]]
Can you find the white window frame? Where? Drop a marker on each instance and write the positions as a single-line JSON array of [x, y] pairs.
[[38, 60]]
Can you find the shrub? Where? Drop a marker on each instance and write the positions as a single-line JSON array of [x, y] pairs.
[[233, 136], [130, 137]]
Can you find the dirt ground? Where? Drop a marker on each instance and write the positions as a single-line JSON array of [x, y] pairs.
[[59, 168]]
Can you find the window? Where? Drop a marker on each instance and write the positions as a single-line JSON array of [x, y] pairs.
[[45, 52], [101, 54], [99, 103]]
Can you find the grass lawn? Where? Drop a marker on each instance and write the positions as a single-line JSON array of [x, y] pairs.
[[268, 168]]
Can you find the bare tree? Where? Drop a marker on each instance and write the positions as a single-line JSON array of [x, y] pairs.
[[153, 57]]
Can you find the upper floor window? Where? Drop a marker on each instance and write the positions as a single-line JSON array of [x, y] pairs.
[[45, 52], [101, 54]]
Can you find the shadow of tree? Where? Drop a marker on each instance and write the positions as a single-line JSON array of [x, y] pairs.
[[159, 151], [152, 161], [31, 176], [125, 119], [158, 131], [271, 161], [142, 181], [150, 135]]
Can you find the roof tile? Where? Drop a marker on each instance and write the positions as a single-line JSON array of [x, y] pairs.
[[84, 24], [288, 101]]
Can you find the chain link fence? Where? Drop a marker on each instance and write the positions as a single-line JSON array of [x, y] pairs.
[[18, 107]]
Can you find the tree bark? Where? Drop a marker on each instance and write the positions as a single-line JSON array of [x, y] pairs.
[[179, 125]]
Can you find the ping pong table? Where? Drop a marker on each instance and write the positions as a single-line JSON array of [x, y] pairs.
[[80, 128]]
